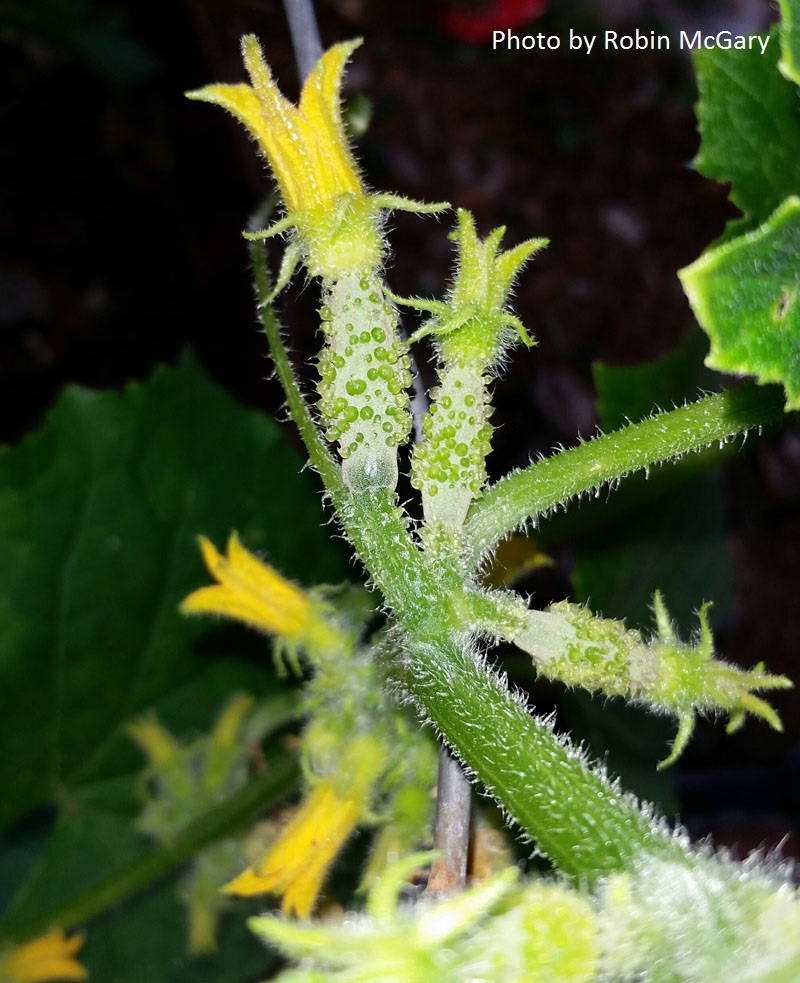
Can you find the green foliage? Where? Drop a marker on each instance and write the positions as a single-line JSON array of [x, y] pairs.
[[745, 289], [97, 38], [790, 40], [502, 931], [746, 293], [99, 513]]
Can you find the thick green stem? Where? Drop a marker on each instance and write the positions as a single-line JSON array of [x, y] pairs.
[[582, 821], [526, 494]]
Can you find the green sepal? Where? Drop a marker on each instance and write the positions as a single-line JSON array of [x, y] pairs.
[[290, 221], [397, 203], [470, 325]]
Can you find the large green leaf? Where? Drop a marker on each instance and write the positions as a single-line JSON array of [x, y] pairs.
[[746, 295], [790, 39], [99, 514], [98, 517], [749, 119]]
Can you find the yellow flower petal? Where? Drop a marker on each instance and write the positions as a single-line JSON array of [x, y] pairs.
[[298, 862], [320, 107], [239, 100], [255, 593], [47, 958], [306, 145]]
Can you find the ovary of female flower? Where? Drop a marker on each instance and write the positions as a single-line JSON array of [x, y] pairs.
[[50, 957], [255, 593]]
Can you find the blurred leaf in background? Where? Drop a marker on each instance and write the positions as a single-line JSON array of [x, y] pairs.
[[99, 514]]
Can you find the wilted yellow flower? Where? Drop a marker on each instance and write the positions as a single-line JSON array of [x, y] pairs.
[[154, 740], [255, 593], [296, 864], [47, 958]]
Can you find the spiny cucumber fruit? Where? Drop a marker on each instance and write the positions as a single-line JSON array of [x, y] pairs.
[[449, 465], [364, 372]]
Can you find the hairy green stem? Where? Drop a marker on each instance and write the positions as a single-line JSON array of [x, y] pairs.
[[582, 821], [318, 452], [543, 485], [578, 818]]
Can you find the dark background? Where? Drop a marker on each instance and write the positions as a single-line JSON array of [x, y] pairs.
[[120, 242]]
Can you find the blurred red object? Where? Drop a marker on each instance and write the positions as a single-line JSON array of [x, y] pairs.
[[474, 22]]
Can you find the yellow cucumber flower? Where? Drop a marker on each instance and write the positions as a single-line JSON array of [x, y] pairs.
[[50, 957], [255, 593], [305, 145], [297, 863], [307, 150]]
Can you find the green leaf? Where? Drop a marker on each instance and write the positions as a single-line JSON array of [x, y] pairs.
[[95, 865], [746, 294], [790, 40], [749, 119], [155, 949], [94, 858], [98, 518]]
